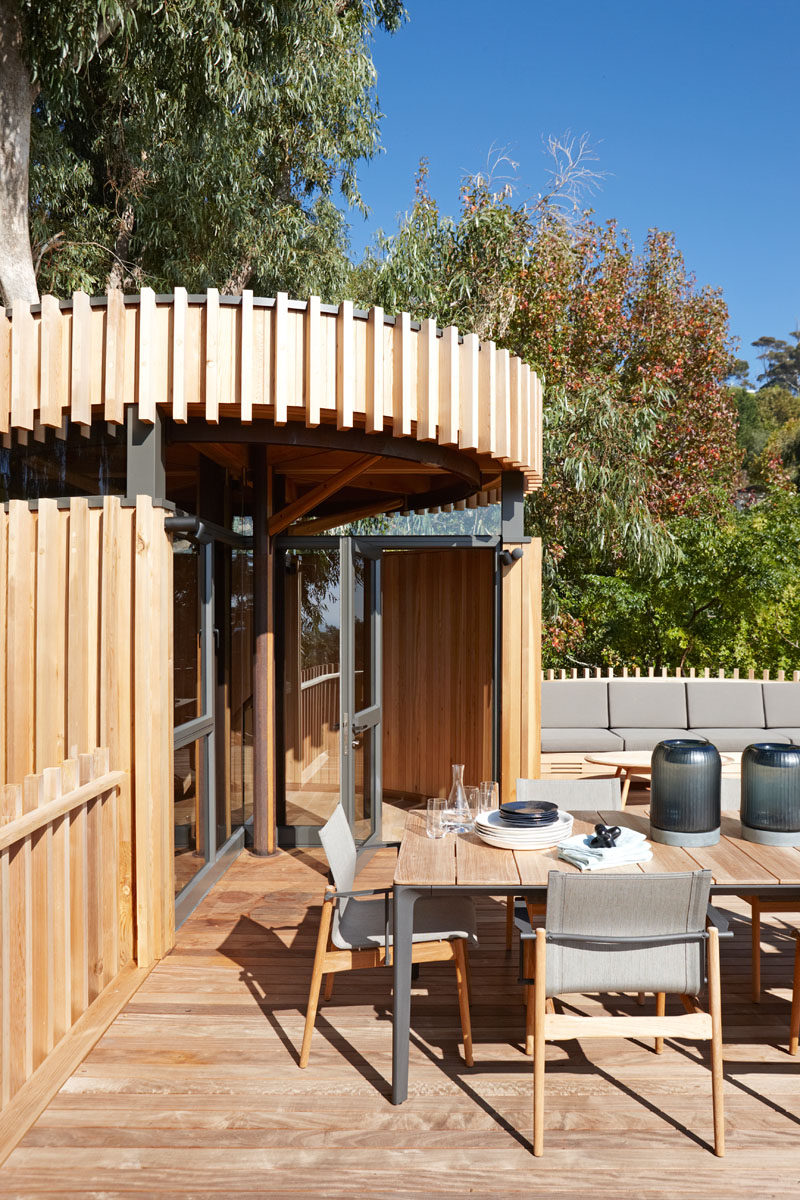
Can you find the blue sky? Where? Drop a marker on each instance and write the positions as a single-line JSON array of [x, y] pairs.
[[692, 108]]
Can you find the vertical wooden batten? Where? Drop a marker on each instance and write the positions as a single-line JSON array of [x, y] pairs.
[[280, 365], [212, 356], [179, 308], [375, 371], [521, 668], [145, 391]]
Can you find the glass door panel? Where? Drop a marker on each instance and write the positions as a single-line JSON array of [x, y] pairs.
[[362, 686], [193, 716], [311, 685]]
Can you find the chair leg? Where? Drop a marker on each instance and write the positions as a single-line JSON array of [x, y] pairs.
[[794, 1024], [328, 992], [509, 922], [460, 952], [539, 1043], [640, 998], [755, 962], [661, 1008], [715, 1008], [527, 960], [316, 980]]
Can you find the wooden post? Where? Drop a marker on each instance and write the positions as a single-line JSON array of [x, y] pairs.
[[263, 662]]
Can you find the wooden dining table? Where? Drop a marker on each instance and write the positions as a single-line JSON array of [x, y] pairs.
[[464, 864]]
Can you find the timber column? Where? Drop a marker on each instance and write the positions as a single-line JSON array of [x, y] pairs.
[[263, 661]]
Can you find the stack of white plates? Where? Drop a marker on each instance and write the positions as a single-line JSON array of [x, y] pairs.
[[496, 832]]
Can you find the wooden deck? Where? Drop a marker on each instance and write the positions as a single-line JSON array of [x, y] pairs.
[[195, 1089]]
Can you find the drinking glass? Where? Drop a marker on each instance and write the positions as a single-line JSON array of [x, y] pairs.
[[435, 824], [473, 800], [489, 796]]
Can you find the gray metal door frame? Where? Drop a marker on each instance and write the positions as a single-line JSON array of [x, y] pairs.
[[367, 721]]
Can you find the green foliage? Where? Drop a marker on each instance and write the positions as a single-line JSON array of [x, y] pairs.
[[592, 512], [574, 300], [781, 362], [199, 143], [730, 598], [769, 435]]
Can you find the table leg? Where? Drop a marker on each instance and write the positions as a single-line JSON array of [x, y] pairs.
[[625, 788], [402, 928]]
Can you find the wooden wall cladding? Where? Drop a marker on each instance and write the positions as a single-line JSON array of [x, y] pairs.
[[281, 359], [438, 620], [86, 854], [86, 661], [520, 719]]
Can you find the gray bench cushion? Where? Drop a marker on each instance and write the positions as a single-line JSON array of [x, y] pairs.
[[736, 739], [647, 703], [792, 732], [782, 704], [725, 704], [575, 704], [646, 739], [581, 741]]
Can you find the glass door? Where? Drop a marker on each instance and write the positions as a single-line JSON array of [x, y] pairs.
[[330, 693], [362, 687]]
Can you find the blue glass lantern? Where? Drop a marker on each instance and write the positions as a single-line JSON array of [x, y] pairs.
[[685, 793]]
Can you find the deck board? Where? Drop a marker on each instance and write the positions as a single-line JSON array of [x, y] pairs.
[[194, 1090]]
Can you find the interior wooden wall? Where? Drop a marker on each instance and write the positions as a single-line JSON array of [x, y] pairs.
[[438, 620], [520, 703]]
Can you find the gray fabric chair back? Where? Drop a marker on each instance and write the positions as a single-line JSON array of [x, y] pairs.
[[573, 795], [628, 906], [340, 847]]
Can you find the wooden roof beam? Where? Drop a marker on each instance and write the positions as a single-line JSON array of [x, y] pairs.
[[334, 520], [310, 500]]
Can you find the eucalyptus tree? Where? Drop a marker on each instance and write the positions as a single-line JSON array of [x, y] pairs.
[[197, 142]]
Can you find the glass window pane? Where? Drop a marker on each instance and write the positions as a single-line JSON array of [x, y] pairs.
[[241, 687], [186, 630], [311, 685], [70, 466], [189, 796], [362, 598]]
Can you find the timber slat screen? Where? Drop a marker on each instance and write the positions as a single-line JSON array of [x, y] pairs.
[[85, 834], [250, 359], [66, 931], [780, 676]]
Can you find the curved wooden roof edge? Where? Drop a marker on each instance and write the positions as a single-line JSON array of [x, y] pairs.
[[280, 360]]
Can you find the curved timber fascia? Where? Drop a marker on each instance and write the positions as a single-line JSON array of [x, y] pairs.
[[244, 358]]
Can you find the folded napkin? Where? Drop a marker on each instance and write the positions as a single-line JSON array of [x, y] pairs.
[[630, 848]]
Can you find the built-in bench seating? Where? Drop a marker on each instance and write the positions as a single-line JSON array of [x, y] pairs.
[[584, 716]]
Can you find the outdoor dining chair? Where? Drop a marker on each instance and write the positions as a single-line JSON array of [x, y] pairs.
[[571, 795], [627, 933], [355, 929]]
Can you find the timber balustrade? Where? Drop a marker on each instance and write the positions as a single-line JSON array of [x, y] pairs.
[[86, 661], [66, 915], [212, 357], [86, 850], [664, 673]]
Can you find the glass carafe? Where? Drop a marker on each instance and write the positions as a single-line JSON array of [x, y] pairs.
[[458, 816]]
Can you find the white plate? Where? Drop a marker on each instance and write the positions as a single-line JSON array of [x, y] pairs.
[[501, 843], [492, 825]]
